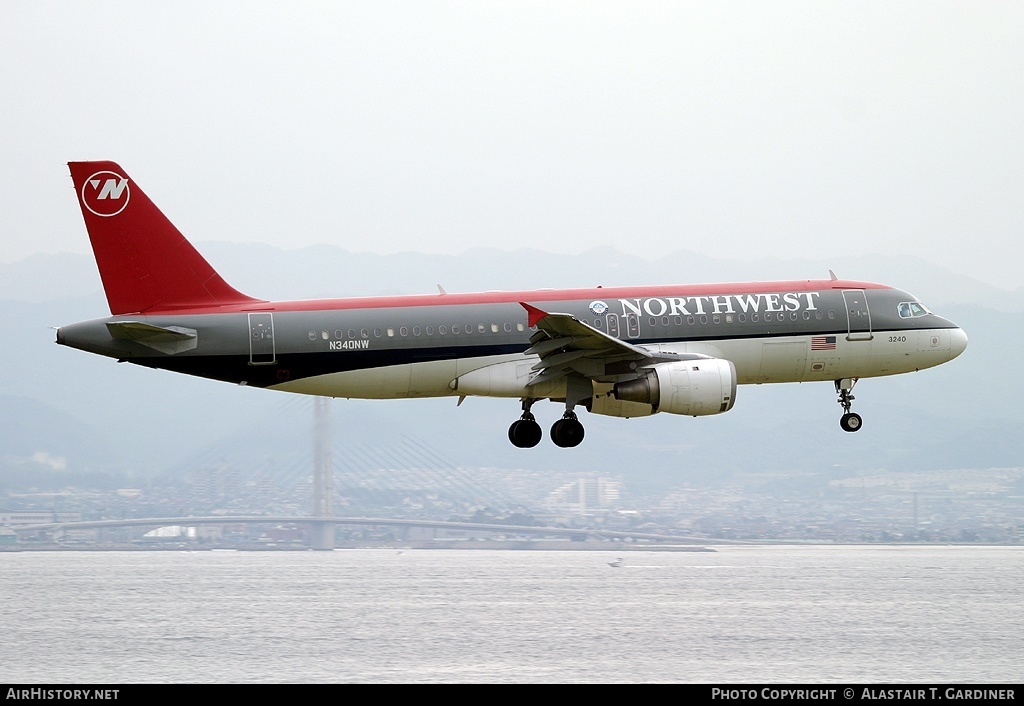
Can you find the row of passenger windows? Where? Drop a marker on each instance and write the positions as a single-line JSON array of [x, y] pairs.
[[390, 332], [598, 323], [730, 318], [768, 317]]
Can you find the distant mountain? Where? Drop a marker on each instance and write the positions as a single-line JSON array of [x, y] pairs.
[[46, 447]]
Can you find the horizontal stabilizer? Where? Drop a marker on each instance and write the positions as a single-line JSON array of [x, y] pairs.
[[166, 339]]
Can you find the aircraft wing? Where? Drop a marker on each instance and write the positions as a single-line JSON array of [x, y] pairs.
[[566, 346]]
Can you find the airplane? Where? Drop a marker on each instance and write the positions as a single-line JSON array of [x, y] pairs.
[[618, 351]]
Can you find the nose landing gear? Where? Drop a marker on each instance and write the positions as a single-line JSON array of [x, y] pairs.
[[850, 421]]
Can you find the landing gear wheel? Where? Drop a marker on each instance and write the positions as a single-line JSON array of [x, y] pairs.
[[567, 432], [525, 433], [850, 422]]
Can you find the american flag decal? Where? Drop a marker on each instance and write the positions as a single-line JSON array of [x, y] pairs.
[[823, 343]]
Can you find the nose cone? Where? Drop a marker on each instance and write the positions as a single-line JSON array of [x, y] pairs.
[[957, 342]]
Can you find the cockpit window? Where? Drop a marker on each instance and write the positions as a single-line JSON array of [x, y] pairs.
[[911, 310]]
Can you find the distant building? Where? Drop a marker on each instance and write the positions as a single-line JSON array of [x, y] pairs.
[[585, 495]]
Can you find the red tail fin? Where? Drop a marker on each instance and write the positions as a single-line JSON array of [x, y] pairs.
[[144, 261]]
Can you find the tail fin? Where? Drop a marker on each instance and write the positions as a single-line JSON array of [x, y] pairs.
[[144, 261]]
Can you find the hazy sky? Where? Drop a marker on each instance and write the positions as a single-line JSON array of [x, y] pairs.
[[747, 129]]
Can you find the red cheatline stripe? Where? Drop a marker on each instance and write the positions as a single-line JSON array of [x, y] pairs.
[[534, 296]]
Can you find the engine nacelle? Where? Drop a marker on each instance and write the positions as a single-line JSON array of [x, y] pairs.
[[691, 387], [609, 406]]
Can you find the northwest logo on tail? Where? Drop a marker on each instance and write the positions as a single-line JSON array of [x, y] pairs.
[[105, 193]]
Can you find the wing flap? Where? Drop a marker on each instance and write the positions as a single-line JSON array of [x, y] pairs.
[[559, 360], [567, 346]]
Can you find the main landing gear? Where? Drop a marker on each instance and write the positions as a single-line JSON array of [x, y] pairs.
[[567, 431], [525, 432], [850, 421]]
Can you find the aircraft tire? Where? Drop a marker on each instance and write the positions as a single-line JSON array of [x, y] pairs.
[[851, 422], [567, 433], [524, 433]]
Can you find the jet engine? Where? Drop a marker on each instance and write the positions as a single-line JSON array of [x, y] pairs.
[[692, 387]]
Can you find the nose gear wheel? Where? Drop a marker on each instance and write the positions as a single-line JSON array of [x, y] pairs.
[[850, 421]]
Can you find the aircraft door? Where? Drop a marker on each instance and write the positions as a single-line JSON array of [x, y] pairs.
[[261, 339], [858, 316]]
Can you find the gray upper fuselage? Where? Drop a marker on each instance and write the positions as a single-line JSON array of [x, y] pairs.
[[268, 343]]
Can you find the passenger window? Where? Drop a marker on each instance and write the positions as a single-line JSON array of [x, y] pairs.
[[633, 326]]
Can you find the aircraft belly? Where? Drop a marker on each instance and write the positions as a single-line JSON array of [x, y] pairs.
[[376, 383], [428, 379], [783, 361]]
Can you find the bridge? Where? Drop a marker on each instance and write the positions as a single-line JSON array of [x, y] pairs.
[[321, 523]]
